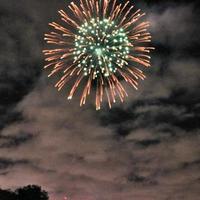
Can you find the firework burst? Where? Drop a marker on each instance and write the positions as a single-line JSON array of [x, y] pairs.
[[99, 43]]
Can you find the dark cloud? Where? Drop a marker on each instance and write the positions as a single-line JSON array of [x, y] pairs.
[[6, 163], [15, 141], [147, 148], [19, 61]]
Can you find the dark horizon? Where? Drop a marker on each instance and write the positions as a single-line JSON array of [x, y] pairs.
[[146, 149]]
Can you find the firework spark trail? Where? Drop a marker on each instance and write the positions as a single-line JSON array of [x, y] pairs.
[[99, 43]]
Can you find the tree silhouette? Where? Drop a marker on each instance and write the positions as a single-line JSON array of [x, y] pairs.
[[7, 195], [30, 192]]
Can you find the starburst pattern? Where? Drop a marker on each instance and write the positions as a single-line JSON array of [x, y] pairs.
[[100, 43]]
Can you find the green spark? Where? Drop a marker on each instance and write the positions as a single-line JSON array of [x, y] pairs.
[[101, 46], [99, 51]]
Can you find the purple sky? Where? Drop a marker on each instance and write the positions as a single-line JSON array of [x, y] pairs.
[[145, 149]]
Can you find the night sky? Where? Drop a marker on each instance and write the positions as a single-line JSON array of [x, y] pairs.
[[145, 149]]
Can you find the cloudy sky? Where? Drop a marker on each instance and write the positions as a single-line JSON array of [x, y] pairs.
[[145, 149]]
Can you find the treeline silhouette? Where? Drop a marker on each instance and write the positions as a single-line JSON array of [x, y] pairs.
[[30, 192]]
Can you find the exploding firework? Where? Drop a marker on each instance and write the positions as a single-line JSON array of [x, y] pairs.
[[100, 43]]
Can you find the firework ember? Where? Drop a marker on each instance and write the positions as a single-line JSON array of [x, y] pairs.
[[99, 43]]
